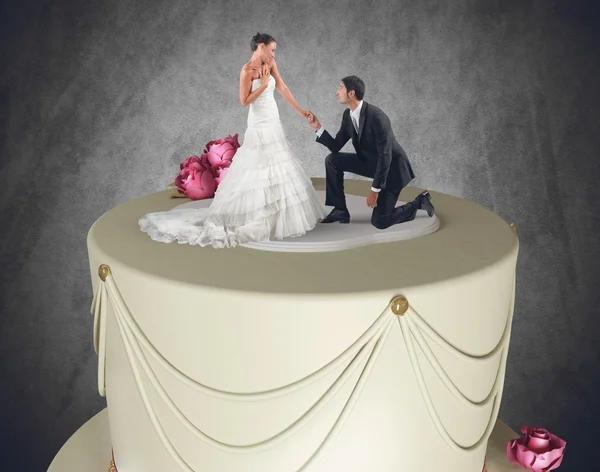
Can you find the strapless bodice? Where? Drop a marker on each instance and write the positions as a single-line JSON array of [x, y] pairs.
[[269, 90], [264, 109]]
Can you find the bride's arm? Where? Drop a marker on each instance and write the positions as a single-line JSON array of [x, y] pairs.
[[247, 97], [285, 91]]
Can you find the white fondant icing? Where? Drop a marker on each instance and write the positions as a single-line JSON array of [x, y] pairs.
[[89, 448], [259, 361], [411, 331], [338, 237], [99, 311], [367, 346]]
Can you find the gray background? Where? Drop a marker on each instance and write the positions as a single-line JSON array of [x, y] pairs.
[[494, 101]]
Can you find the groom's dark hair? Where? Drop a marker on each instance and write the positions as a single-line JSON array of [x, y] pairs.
[[354, 83], [259, 38]]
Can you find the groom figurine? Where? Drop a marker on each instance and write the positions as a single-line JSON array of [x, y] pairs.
[[378, 156]]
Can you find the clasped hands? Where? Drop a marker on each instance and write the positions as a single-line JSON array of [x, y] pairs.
[[312, 119]]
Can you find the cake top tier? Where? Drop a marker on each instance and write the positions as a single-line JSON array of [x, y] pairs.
[[470, 239]]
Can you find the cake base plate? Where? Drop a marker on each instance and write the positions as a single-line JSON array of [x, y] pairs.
[[89, 448], [339, 237]]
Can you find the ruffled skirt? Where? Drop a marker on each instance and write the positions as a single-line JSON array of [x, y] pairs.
[[265, 195]]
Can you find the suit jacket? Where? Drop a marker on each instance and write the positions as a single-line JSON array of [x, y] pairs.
[[376, 144]]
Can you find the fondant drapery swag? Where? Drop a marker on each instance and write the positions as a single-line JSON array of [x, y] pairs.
[[361, 354]]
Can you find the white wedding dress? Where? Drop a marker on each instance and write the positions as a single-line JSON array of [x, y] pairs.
[[264, 195]]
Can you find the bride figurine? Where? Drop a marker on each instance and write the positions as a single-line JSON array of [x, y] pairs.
[[265, 193]]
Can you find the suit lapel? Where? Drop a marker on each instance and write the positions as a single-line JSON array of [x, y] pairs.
[[363, 114]]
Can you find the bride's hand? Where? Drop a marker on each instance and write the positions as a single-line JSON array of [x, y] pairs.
[[313, 121], [264, 77]]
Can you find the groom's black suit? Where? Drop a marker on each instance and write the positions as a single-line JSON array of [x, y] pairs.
[[378, 156]]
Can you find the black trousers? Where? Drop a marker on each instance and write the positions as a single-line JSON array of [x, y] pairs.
[[385, 214]]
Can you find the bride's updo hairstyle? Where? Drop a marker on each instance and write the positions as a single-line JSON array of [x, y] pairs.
[[259, 38]]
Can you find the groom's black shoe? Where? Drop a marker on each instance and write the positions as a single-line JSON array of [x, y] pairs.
[[339, 215], [423, 201]]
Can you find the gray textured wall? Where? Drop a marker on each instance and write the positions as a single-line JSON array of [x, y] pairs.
[[494, 101]]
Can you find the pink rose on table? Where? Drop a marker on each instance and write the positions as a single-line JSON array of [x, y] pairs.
[[197, 179], [196, 172], [233, 140], [196, 160], [538, 450], [220, 153], [221, 172]]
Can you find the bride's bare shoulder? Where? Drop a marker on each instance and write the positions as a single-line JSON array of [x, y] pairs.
[[247, 71]]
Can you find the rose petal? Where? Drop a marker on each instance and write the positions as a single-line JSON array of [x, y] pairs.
[[221, 173], [200, 185], [525, 457], [526, 430], [223, 148], [196, 165], [214, 158], [538, 445], [211, 143], [219, 147], [188, 161], [181, 179], [208, 181], [511, 449], [554, 464], [540, 433], [554, 458], [540, 462], [223, 165], [556, 441], [228, 155]]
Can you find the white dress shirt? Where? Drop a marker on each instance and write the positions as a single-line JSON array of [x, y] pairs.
[[355, 115], [355, 118]]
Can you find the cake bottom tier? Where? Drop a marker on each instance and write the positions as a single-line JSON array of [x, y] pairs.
[[374, 381], [89, 448]]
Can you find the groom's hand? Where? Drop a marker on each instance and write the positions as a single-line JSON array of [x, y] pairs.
[[372, 199], [313, 121]]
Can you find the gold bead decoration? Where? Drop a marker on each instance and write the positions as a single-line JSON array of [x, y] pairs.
[[399, 306], [514, 227], [103, 272]]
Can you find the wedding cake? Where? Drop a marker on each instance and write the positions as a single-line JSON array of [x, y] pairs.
[[386, 357]]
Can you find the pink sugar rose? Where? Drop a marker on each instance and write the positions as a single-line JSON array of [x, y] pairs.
[[538, 450], [220, 152], [192, 160], [221, 172], [196, 172], [233, 140], [196, 180]]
